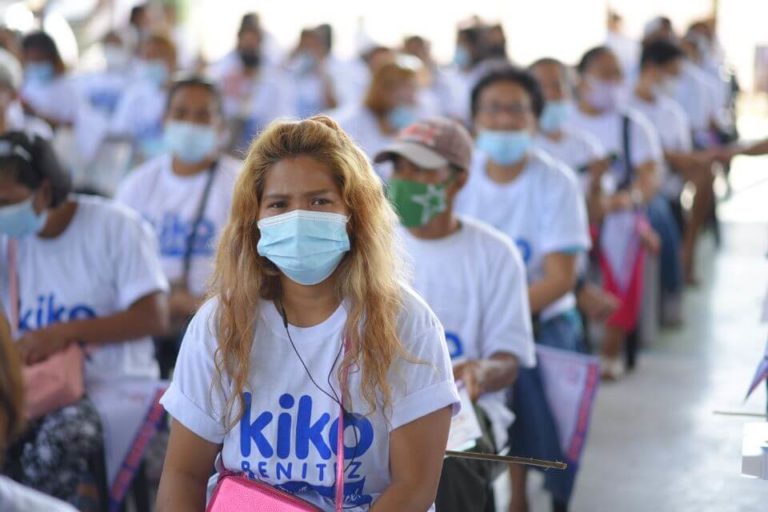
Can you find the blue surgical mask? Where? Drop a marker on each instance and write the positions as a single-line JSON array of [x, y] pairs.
[[21, 220], [605, 96], [304, 63], [190, 142], [402, 116], [39, 72], [461, 58], [554, 116], [306, 246], [154, 71], [504, 147]]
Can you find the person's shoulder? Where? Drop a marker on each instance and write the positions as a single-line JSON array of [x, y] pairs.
[[484, 237], [549, 169], [415, 316], [672, 108], [109, 213], [139, 176], [638, 119]]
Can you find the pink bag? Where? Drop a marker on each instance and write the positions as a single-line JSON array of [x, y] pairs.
[[55, 382], [238, 493]]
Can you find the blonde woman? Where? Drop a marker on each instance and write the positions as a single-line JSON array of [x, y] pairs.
[[305, 291]]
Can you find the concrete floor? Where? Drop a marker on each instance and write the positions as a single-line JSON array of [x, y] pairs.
[[655, 444]]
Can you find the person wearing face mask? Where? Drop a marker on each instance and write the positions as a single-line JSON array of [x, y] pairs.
[[390, 105], [536, 201], [12, 115], [73, 270], [103, 89], [255, 91], [474, 280], [651, 97], [438, 86], [139, 113], [46, 81], [313, 71], [310, 333], [582, 153], [186, 195], [603, 112]]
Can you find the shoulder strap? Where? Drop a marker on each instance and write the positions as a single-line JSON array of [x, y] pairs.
[[192, 237], [629, 173], [13, 286]]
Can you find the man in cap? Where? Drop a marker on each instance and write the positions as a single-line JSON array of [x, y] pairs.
[[474, 279]]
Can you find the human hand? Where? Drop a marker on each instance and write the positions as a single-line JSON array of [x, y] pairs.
[[468, 373], [37, 346]]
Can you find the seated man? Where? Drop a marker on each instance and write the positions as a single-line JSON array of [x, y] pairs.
[[474, 279]]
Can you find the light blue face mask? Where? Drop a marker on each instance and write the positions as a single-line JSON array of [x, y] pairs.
[[154, 71], [39, 72], [306, 246], [21, 220], [461, 57], [304, 63], [189, 142], [504, 147], [554, 116], [402, 116]]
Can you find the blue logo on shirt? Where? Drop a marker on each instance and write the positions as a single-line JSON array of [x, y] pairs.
[[455, 346], [525, 249], [173, 232], [47, 312], [105, 100], [291, 459]]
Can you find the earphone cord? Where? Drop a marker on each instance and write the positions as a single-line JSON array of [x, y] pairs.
[[335, 398]]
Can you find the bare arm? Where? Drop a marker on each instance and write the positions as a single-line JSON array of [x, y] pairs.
[[148, 316], [188, 465], [559, 278], [416, 452], [486, 375]]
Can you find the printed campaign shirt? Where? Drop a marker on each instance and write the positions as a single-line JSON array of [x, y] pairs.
[[575, 149], [170, 203], [104, 261], [542, 210], [474, 280], [287, 434], [139, 115]]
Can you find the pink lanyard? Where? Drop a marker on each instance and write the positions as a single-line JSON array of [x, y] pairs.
[[340, 440], [13, 287]]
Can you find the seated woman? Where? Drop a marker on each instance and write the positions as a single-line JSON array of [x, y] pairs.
[[14, 496], [308, 318], [86, 271]]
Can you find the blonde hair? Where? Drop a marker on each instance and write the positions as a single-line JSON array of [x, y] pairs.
[[386, 78], [11, 389], [368, 276]]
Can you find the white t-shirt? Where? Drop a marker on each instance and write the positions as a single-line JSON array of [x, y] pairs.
[[171, 202], [542, 210], [104, 261], [362, 126], [607, 129], [575, 148], [16, 119], [286, 437], [55, 99], [674, 131], [139, 114], [474, 281], [695, 97], [15, 497]]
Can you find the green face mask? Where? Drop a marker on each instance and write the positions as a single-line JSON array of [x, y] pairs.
[[417, 203]]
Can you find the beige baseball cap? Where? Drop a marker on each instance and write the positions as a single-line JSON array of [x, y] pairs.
[[431, 144]]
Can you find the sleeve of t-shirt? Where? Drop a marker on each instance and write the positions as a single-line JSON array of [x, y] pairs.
[[593, 148], [644, 142], [563, 223], [506, 323], [423, 383], [193, 399], [136, 259]]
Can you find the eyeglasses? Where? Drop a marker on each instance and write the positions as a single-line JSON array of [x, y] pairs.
[[515, 109]]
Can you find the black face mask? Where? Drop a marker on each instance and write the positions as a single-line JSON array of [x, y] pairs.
[[249, 58]]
